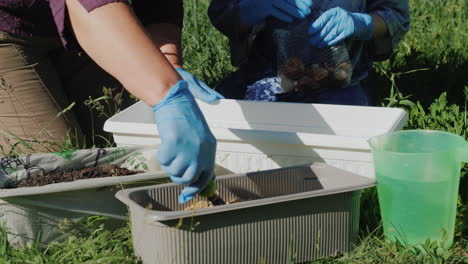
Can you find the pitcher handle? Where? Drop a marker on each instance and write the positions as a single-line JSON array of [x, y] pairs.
[[462, 152]]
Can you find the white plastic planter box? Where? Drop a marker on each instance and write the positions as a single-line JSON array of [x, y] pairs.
[[307, 211], [256, 136]]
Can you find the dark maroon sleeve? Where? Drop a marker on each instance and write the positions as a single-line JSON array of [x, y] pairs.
[[148, 11], [89, 5], [159, 11]]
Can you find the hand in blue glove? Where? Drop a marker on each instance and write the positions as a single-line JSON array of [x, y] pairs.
[[198, 88], [337, 24], [188, 148], [254, 11]]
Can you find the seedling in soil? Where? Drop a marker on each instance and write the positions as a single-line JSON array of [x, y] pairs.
[[206, 204], [212, 194]]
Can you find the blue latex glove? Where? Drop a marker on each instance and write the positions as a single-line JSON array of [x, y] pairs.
[[198, 88], [188, 148], [337, 24], [254, 11]]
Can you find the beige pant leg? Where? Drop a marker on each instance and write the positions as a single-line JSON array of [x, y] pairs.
[[31, 97]]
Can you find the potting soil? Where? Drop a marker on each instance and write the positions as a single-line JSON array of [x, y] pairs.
[[108, 170], [205, 204]]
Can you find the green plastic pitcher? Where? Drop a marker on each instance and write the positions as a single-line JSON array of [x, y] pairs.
[[418, 175]]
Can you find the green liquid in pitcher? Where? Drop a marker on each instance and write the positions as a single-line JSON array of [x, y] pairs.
[[415, 211]]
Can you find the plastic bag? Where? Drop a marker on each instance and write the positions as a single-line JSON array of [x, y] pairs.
[[302, 66], [13, 169]]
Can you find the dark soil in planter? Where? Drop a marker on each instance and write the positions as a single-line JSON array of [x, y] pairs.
[[86, 173]]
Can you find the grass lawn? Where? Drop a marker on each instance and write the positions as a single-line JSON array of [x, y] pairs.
[[436, 44]]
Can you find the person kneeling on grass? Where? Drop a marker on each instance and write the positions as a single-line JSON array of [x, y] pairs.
[[370, 29], [135, 45]]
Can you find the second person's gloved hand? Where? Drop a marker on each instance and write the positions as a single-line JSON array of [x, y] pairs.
[[254, 11], [337, 24], [198, 88], [188, 148]]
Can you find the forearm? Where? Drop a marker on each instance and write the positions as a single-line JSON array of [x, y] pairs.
[[380, 27], [112, 36], [167, 37]]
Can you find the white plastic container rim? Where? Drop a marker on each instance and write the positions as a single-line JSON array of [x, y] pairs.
[[320, 125]]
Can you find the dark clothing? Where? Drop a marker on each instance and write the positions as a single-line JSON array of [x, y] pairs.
[[253, 50], [27, 18], [39, 79], [48, 18]]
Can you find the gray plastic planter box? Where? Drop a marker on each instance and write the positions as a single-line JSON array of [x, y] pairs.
[[49, 213], [306, 211]]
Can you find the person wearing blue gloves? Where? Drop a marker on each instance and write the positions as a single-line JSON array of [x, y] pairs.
[[370, 29], [54, 52], [337, 24], [187, 150]]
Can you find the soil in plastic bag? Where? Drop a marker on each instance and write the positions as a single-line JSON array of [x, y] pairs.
[[302, 66], [109, 170]]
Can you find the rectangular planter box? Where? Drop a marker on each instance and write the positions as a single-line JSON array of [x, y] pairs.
[[50, 213], [256, 136], [304, 211]]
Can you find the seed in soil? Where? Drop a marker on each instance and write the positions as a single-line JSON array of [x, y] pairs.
[[110, 170]]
